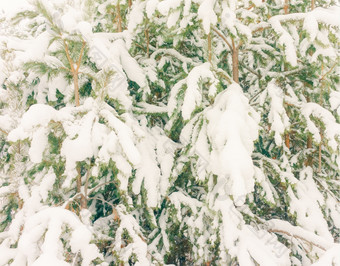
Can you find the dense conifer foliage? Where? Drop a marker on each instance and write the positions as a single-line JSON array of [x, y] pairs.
[[184, 132]]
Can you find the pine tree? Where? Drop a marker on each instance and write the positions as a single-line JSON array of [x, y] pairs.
[[171, 132]]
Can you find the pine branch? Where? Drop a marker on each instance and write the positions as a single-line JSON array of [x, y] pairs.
[[285, 228]]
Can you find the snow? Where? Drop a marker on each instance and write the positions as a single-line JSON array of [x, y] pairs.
[[247, 243], [125, 137], [285, 40], [136, 15], [10, 8], [52, 219], [138, 246], [173, 18], [310, 24], [6, 122], [306, 204], [232, 145], [165, 6], [331, 257], [151, 7], [150, 172], [207, 15], [193, 94], [279, 225], [277, 115], [335, 101], [77, 147], [215, 151], [33, 125], [332, 127]]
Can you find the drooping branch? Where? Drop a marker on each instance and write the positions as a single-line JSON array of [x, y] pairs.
[[285, 228]]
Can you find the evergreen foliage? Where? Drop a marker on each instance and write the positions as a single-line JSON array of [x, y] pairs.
[[153, 132]]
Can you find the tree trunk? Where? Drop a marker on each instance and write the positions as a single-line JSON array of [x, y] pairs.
[[235, 64]]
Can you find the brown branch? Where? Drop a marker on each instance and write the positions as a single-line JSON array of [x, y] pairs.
[[140, 46], [223, 38], [80, 56], [146, 32], [70, 61], [287, 140], [65, 68], [320, 149], [120, 28], [224, 76], [83, 202], [329, 71], [3, 131], [87, 184], [313, 4], [282, 232], [250, 7], [239, 45], [100, 185], [252, 71], [261, 29], [114, 210], [286, 7], [209, 48], [73, 71]]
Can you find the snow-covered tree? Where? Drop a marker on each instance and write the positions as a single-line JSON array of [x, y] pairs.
[[156, 132]]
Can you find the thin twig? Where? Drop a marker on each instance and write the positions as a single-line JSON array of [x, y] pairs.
[[252, 71], [329, 71], [100, 185]]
